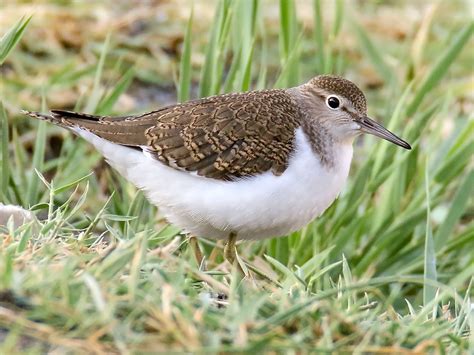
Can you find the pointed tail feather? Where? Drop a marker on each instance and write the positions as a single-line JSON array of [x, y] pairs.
[[62, 118], [115, 129], [76, 115], [43, 117]]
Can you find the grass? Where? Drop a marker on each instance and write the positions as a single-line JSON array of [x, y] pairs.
[[388, 268]]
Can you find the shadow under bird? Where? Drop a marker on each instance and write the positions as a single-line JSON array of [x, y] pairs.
[[238, 166]]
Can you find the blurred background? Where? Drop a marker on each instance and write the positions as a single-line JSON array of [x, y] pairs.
[[58, 58], [402, 213]]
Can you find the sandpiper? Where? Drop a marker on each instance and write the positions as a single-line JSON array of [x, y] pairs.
[[238, 166]]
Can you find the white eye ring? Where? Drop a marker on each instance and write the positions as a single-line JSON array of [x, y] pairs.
[[333, 102]]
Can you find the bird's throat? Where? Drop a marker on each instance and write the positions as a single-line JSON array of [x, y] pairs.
[[321, 141]]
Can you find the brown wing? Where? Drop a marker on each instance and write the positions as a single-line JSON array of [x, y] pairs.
[[221, 137]]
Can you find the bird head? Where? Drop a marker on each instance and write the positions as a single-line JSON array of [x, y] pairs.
[[341, 107]]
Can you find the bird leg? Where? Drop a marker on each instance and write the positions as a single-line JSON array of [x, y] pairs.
[[229, 249], [193, 242]]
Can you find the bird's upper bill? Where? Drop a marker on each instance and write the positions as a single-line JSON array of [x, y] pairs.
[[367, 125]]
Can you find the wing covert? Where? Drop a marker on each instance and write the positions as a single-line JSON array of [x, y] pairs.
[[227, 136]]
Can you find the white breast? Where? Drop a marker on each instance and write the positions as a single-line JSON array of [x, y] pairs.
[[257, 207]]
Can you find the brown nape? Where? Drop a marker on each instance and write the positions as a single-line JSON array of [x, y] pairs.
[[342, 87]]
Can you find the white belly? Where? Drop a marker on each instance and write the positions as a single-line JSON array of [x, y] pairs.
[[257, 207]]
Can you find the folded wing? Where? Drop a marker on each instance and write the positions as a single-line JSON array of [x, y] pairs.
[[221, 137]]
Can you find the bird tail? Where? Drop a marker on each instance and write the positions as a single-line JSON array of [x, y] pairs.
[[63, 118], [115, 129]]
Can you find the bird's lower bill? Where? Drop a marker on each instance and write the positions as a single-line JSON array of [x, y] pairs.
[[367, 125]]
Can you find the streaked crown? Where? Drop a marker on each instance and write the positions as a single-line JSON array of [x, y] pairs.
[[342, 87]]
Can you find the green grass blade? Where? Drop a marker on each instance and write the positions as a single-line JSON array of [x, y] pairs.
[[19, 185], [286, 26], [231, 80], [429, 291], [4, 133], [453, 165], [244, 29], [441, 67], [262, 75], [247, 72], [381, 153], [289, 44], [291, 277], [107, 103], [69, 185], [10, 39], [184, 85], [210, 73], [455, 211], [288, 70], [374, 54], [38, 160], [319, 34], [96, 93], [338, 18]]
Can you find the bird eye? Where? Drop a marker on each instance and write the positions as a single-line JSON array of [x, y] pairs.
[[333, 102]]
